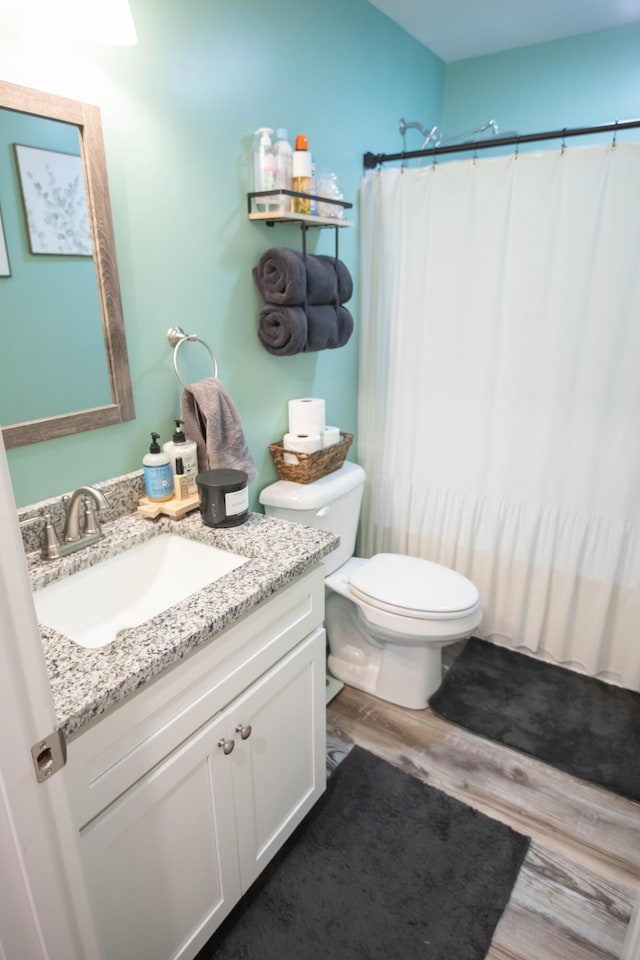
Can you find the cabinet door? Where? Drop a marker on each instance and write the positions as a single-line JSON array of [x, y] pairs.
[[279, 769], [162, 860]]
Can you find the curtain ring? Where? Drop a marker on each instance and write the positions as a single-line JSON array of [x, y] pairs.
[[515, 156], [435, 160], [475, 155], [615, 135], [564, 141]]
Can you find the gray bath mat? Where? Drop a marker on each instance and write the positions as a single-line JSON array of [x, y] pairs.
[[580, 725], [384, 868]]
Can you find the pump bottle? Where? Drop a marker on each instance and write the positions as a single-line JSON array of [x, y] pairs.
[[158, 477], [264, 169], [187, 451]]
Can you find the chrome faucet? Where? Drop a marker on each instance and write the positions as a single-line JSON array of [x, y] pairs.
[[81, 526], [87, 499]]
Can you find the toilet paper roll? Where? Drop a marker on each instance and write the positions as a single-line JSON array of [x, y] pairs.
[[300, 444], [330, 436], [307, 416]]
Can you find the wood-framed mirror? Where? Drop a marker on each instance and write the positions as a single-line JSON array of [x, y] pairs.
[[63, 359]]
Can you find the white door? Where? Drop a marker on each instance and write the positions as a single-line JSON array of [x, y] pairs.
[[44, 913]]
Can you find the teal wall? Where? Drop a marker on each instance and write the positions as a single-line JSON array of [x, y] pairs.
[[580, 81], [178, 112]]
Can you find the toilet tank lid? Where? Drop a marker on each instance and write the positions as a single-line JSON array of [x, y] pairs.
[[310, 496]]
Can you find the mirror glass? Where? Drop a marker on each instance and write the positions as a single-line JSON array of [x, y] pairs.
[[63, 365]]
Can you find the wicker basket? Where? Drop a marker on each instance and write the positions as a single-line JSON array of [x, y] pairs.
[[311, 466]]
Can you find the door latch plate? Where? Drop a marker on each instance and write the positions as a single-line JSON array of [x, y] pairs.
[[49, 755]]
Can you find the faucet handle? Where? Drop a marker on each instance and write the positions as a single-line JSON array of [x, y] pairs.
[[50, 539], [50, 546], [91, 523]]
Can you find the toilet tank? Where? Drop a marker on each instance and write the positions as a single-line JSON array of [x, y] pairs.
[[331, 503]]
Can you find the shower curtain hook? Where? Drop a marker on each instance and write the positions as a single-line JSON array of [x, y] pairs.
[[564, 141], [615, 135], [515, 156]]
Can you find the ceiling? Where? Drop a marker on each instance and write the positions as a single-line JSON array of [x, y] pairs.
[[458, 29]]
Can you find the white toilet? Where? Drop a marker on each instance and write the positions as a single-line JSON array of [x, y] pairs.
[[388, 617]]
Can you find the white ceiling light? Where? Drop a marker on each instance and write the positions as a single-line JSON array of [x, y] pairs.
[[107, 22]]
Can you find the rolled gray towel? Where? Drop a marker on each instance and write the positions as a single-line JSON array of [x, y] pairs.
[[327, 327], [283, 330], [281, 277]]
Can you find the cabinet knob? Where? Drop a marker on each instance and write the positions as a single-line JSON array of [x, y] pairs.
[[244, 730], [227, 745]]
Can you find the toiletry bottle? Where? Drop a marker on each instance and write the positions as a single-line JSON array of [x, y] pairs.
[[301, 174], [158, 477], [264, 170], [283, 153], [187, 450], [180, 485]]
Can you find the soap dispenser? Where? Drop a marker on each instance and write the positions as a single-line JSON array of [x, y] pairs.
[[264, 168], [187, 450], [158, 476]]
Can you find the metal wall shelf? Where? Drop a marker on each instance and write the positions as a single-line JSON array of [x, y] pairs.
[[271, 217]]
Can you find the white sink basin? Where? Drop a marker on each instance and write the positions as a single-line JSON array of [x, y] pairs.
[[91, 606]]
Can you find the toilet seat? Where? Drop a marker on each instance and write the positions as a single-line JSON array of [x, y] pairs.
[[412, 587]]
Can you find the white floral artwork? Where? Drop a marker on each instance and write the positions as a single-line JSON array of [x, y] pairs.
[[55, 201], [5, 269]]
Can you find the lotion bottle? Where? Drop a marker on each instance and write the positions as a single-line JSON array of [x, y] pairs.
[[158, 477], [187, 450]]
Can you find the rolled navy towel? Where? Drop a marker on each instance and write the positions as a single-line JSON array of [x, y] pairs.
[[282, 278], [282, 330], [327, 327]]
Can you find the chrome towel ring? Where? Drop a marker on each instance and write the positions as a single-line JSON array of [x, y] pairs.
[[176, 337]]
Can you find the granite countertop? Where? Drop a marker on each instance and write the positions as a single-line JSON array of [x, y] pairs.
[[87, 682]]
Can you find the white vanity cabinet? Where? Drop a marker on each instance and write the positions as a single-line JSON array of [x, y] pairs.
[[184, 794]]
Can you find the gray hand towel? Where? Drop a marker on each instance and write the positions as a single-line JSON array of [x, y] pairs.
[[211, 419], [281, 277], [285, 331]]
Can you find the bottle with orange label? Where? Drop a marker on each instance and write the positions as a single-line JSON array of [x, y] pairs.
[[301, 179]]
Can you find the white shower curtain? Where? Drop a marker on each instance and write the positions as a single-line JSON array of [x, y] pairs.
[[500, 391]]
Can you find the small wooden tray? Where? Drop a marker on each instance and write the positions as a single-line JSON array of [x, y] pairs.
[[174, 508]]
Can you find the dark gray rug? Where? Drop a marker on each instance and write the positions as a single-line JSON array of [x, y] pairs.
[[580, 725], [383, 868]]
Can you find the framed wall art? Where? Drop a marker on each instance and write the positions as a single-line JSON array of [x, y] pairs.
[[55, 201]]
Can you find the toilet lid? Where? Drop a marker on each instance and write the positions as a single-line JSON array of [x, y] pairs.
[[413, 587]]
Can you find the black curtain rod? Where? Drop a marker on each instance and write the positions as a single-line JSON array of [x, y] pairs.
[[372, 160]]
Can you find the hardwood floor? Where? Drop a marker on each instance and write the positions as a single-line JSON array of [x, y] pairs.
[[575, 892]]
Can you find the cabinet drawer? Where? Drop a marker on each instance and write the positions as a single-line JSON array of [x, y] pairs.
[[106, 759]]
